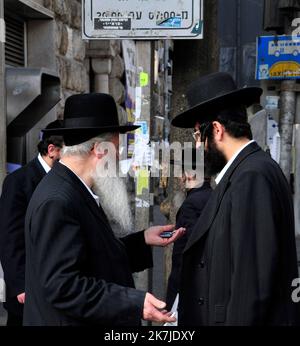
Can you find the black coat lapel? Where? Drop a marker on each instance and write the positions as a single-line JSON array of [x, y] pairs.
[[208, 214], [210, 211], [38, 167]]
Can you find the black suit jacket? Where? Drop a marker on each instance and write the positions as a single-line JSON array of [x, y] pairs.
[[17, 190], [240, 261], [187, 217], [77, 271]]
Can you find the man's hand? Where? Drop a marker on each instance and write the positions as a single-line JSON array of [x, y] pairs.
[[152, 235], [21, 298], [153, 310]]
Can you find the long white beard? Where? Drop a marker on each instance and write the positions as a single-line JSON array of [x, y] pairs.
[[114, 200]]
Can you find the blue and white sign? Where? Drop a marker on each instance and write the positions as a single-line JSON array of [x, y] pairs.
[[278, 57]]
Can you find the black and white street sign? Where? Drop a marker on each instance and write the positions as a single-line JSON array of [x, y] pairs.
[[142, 19]]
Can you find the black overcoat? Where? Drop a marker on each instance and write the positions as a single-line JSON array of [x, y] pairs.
[[77, 271], [187, 217], [17, 190], [240, 260]]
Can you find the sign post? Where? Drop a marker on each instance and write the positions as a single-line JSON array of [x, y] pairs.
[[145, 21], [278, 57]]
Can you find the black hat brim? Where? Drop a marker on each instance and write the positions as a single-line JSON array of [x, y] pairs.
[[206, 111], [74, 136]]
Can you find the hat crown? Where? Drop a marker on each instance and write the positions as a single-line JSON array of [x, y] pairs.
[[210, 86], [95, 109], [211, 94], [89, 115]]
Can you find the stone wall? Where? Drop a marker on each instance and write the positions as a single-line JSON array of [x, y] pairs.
[[83, 65], [70, 50], [107, 71]]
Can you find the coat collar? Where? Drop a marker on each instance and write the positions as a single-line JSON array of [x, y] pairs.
[[68, 175], [35, 162], [204, 186], [210, 211]]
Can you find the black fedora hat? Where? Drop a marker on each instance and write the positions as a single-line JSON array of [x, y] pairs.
[[212, 93], [53, 125], [89, 115]]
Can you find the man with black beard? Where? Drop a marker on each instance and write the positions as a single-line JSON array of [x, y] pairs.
[[240, 260], [77, 271]]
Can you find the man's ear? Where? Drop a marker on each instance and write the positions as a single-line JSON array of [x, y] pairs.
[[218, 131], [51, 150], [99, 151]]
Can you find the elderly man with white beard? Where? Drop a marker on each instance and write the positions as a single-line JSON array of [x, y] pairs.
[[77, 271]]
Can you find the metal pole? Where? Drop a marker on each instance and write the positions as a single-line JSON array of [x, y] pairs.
[[2, 97], [287, 117], [144, 78], [297, 178]]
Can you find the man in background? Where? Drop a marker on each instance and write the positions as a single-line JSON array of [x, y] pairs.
[[17, 190], [198, 191], [240, 260]]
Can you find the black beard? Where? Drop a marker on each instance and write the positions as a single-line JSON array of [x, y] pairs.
[[214, 159]]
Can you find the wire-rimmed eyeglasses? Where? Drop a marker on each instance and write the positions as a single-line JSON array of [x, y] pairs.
[[201, 134]]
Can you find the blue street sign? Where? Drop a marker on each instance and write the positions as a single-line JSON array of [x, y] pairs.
[[278, 57]]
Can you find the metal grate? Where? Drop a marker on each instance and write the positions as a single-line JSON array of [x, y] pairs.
[[14, 45]]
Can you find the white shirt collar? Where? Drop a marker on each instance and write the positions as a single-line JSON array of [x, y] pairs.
[[229, 163], [44, 164], [96, 198]]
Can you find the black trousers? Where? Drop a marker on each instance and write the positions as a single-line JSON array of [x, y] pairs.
[[14, 312]]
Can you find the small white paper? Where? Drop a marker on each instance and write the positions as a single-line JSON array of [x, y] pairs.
[[125, 165], [138, 102], [174, 311], [2, 30]]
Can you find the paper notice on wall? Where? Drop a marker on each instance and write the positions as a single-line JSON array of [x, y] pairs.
[[143, 155], [129, 54], [275, 147], [2, 30], [272, 102], [273, 138], [142, 133], [144, 79], [142, 181], [138, 102]]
